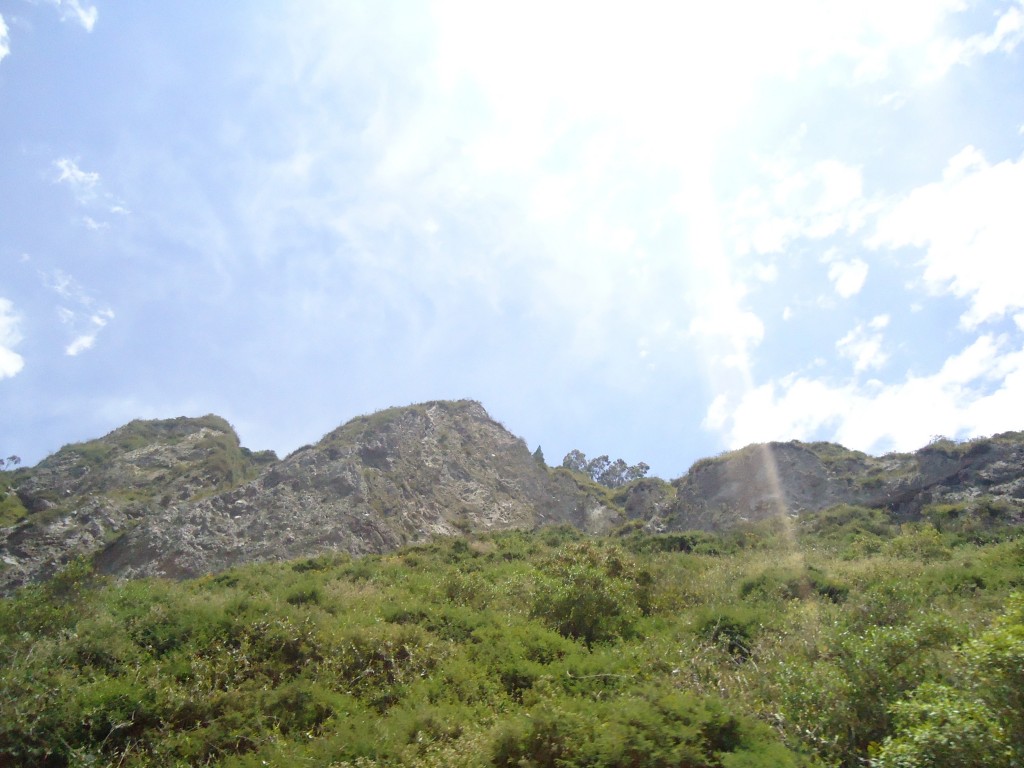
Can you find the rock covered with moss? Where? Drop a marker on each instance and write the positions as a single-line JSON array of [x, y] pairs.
[[398, 476], [86, 495]]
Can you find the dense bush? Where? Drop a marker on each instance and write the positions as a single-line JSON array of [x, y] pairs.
[[647, 729], [534, 650], [589, 594], [977, 719]]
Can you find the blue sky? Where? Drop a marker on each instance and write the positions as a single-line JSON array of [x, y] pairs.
[[637, 229]]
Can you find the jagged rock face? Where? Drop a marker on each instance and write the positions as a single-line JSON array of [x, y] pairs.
[[89, 493], [761, 481], [376, 483], [181, 498]]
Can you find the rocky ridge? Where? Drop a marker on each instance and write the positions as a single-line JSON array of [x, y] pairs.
[[181, 497], [792, 478]]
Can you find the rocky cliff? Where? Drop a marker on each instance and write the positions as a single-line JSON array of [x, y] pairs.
[[86, 495], [181, 497], [792, 478]]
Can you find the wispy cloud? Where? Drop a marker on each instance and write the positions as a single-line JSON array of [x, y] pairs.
[[73, 10], [65, 286], [11, 362], [82, 184], [87, 338], [5, 41], [811, 202], [1005, 37], [847, 277], [79, 312], [970, 228], [577, 188], [863, 345], [88, 191], [69, 10]]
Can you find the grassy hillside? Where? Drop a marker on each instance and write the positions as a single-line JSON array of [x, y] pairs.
[[827, 642]]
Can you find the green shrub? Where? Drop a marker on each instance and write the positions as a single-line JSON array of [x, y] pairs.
[[939, 726], [841, 703], [793, 584], [586, 595], [978, 720], [734, 629], [12, 510], [850, 530], [599, 652], [306, 592], [301, 706], [920, 542], [648, 730], [700, 542], [978, 520]]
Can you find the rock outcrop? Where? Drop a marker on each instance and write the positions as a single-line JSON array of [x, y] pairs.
[[793, 478], [88, 494], [170, 507], [181, 497]]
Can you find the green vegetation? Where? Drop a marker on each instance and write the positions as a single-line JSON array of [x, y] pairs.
[[833, 454], [838, 640], [215, 459], [11, 508], [977, 718], [141, 433], [602, 470]]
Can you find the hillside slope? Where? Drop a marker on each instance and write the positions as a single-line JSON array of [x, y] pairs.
[[378, 482], [181, 497], [764, 480]]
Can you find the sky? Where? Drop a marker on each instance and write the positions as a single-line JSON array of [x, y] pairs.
[[653, 230]]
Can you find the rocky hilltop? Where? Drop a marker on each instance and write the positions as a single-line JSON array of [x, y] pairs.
[[181, 497], [82, 498], [793, 478]]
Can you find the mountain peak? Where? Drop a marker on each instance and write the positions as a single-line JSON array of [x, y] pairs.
[[181, 497]]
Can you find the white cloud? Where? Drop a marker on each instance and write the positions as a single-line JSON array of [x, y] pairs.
[[732, 330], [863, 345], [11, 362], [80, 344], [814, 203], [87, 339], [82, 183], [83, 319], [1007, 35], [73, 10], [5, 42], [87, 188], [972, 232], [64, 285], [878, 322], [516, 157], [848, 276], [977, 391]]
